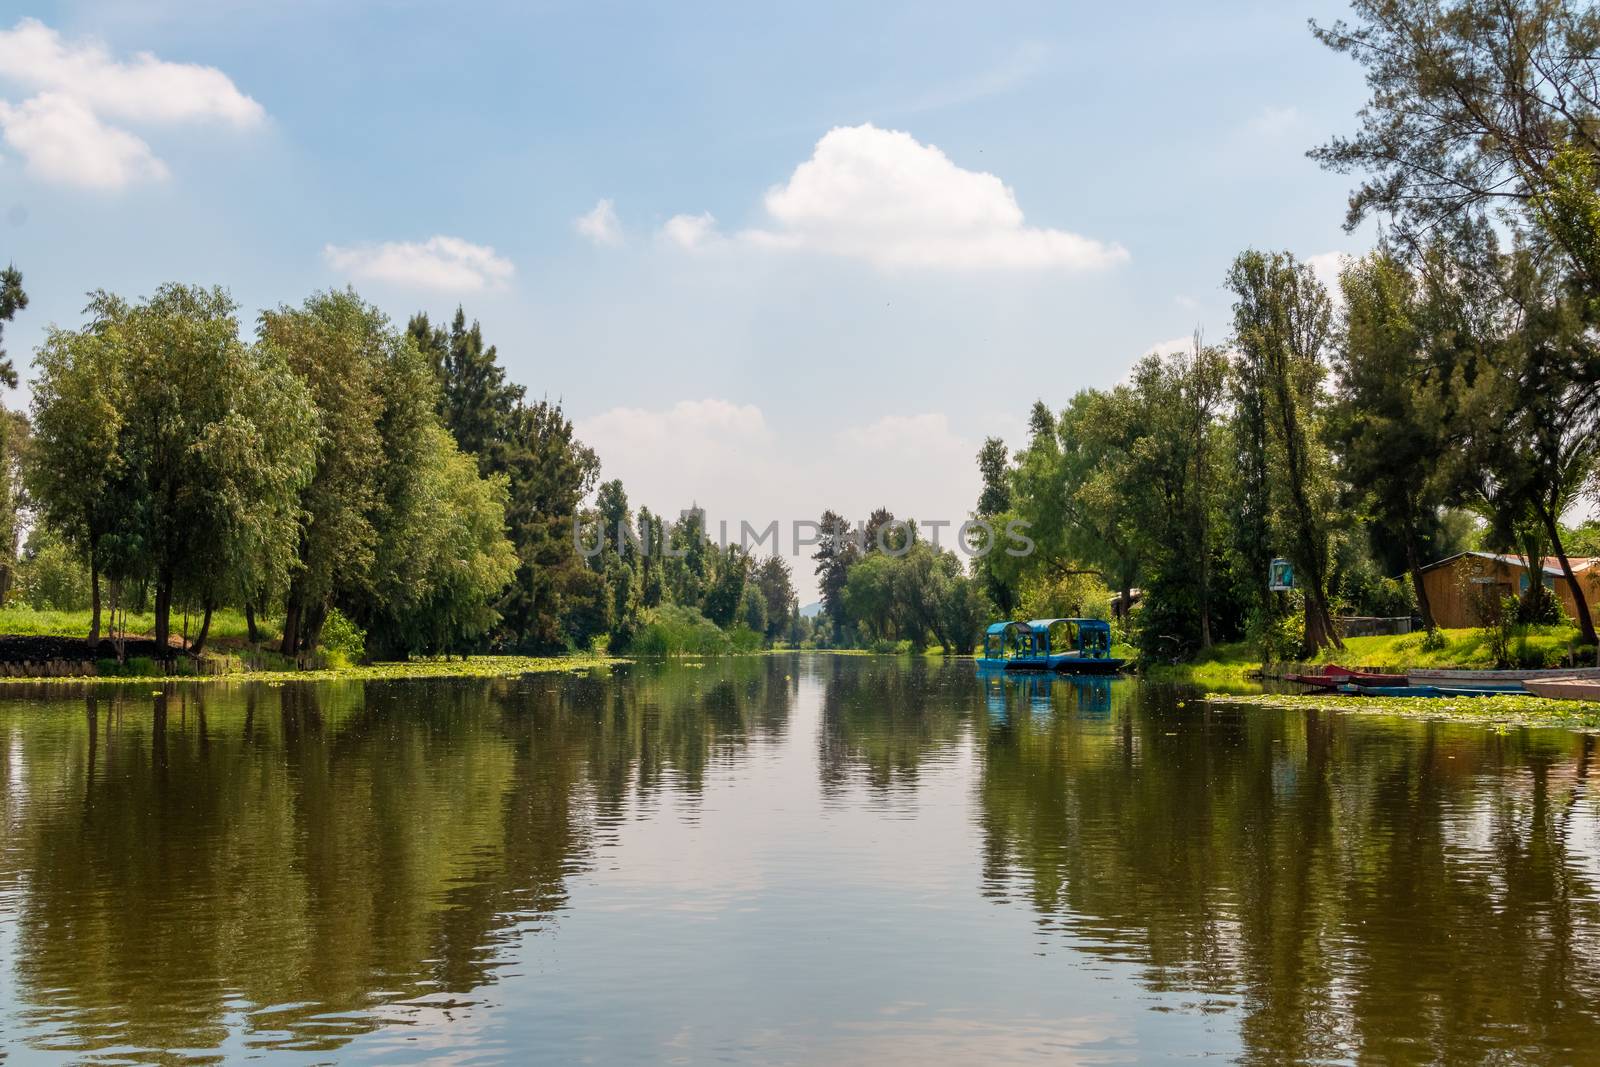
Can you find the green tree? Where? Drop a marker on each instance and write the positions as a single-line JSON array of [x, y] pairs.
[[1171, 403], [78, 476], [724, 594], [344, 351], [1282, 325], [476, 403], [1530, 423], [776, 583], [1472, 102], [996, 495], [1386, 419], [1069, 486], [555, 599], [838, 547], [753, 609], [12, 300], [192, 474], [458, 558]]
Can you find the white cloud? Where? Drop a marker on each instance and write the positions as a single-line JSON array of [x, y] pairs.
[[884, 197], [601, 224], [63, 141], [688, 422], [927, 438], [713, 452], [447, 264], [61, 132], [1275, 121], [1327, 266], [146, 89], [690, 231], [1167, 348]]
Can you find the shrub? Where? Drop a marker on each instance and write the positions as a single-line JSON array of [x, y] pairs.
[[676, 630], [49, 577], [744, 639], [1434, 641], [342, 639], [141, 667]]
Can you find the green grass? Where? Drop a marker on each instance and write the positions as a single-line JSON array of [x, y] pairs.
[[1220, 665], [1511, 709], [1545, 646], [227, 625], [1228, 664]]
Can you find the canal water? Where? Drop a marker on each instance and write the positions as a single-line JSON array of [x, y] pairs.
[[788, 859]]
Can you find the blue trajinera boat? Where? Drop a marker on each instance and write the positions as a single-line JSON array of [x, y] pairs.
[[1071, 646]]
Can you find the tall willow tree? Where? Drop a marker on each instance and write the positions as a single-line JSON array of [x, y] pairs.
[[1282, 322], [343, 350], [400, 531], [168, 449]]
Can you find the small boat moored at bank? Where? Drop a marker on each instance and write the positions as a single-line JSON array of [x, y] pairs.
[[1332, 675], [1356, 689]]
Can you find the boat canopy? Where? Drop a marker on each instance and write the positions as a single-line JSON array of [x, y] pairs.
[[1007, 639], [1088, 636]]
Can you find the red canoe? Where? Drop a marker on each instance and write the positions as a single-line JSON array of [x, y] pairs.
[[1331, 675]]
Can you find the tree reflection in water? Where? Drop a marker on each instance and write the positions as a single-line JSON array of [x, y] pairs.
[[290, 867]]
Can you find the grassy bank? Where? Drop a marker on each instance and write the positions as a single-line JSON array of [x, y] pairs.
[[471, 667], [1219, 666], [1505, 710], [1467, 649], [227, 625], [1539, 646]]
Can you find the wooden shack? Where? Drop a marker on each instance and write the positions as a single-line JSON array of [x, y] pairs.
[[1460, 586]]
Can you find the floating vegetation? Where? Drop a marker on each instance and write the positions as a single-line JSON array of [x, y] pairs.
[[1513, 709], [470, 667]]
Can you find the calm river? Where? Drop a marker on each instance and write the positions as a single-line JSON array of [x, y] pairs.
[[807, 859]]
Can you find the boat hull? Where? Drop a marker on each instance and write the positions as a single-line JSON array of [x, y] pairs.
[[1565, 688], [1333, 676], [1430, 690], [1061, 663]]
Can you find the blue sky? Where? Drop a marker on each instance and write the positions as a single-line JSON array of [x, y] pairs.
[[1019, 201]]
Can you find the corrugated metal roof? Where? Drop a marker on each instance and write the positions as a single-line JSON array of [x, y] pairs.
[[1549, 565]]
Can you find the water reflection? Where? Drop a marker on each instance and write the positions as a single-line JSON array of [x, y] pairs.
[[289, 860], [1356, 888], [841, 858]]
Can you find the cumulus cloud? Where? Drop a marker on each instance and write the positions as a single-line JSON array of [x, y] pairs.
[[445, 264], [688, 426], [146, 88], [927, 436], [601, 224], [714, 452], [886, 198], [63, 141], [61, 132], [690, 231], [1183, 344]]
